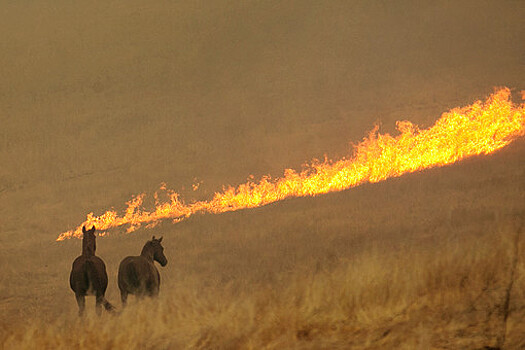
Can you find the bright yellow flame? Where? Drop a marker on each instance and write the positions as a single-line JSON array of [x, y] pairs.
[[480, 128]]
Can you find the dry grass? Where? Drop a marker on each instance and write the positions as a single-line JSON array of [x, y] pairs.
[[448, 297], [423, 261], [101, 100]]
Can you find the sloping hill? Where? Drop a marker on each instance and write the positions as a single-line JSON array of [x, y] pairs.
[[102, 101], [428, 259]]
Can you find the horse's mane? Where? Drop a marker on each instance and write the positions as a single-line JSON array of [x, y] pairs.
[[89, 244]]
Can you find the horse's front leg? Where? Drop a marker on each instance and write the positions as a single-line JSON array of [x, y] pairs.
[[124, 297], [81, 301], [154, 292]]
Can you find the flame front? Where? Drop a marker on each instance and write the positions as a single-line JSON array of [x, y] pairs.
[[480, 128]]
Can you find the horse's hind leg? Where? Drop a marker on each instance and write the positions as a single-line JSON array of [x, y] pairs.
[[99, 303], [81, 301]]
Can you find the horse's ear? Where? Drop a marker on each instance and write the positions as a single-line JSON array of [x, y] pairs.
[[93, 229], [153, 238], [83, 229], [160, 239]]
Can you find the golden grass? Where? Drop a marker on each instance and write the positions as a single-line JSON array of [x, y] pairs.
[[100, 101], [418, 262], [449, 296]]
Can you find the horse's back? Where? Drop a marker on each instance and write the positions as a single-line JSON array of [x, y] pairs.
[[137, 275]]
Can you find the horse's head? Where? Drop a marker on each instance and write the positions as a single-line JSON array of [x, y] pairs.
[[158, 251], [89, 244]]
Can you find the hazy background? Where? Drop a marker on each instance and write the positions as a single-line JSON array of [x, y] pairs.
[[130, 94], [100, 100]]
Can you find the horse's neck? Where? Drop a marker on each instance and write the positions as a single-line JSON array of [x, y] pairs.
[[147, 252], [88, 248]]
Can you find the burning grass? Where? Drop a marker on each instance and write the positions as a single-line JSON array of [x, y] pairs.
[[420, 261], [481, 128]]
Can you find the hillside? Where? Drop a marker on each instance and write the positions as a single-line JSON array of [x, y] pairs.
[[100, 101]]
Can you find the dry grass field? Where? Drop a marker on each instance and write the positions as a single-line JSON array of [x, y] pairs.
[[102, 100], [431, 260]]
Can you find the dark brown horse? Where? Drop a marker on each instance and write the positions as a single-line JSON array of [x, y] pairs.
[[138, 275], [88, 275]]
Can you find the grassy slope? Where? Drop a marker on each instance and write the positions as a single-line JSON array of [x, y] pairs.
[[418, 261], [102, 102]]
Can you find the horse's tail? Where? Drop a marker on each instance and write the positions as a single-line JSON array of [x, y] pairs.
[[96, 280], [108, 306]]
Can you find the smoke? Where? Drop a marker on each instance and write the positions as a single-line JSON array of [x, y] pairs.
[[480, 128]]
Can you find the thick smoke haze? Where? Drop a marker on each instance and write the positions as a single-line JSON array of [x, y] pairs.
[[217, 91], [100, 100]]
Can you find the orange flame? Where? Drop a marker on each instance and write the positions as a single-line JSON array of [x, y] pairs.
[[480, 128]]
